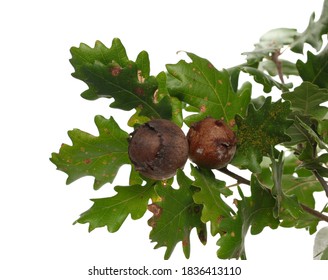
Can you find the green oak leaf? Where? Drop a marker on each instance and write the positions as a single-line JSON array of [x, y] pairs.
[[323, 130], [315, 69], [128, 88], [295, 181], [162, 93], [143, 65], [313, 33], [300, 187], [112, 211], [288, 68], [254, 214], [209, 195], [267, 81], [311, 135], [304, 221], [98, 156], [297, 132], [286, 205], [86, 55], [175, 215], [270, 42], [306, 100], [260, 130], [202, 86], [318, 164], [109, 73]]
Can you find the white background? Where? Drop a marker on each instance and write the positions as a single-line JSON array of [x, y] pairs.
[[40, 101]]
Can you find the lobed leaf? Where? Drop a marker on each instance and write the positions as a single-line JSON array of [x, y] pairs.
[[315, 69], [85, 55], [288, 68], [112, 211], [209, 195], [128, 91], [313, 33], [260, 130], [109, 73], [254, 213], [267, 81], [98, 156], [202, 86], [306, 100], [175, 215], [270, 42], [298, 188]]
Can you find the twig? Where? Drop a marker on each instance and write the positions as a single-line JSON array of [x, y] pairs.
[[240, 180], [315, 213], [277, 62], [321, 181]]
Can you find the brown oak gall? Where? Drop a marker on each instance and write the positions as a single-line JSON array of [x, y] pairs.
[[212, 144], [158, 148]]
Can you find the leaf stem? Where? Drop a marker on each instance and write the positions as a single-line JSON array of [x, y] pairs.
[[277, 62], [240, 180], [321, 181]]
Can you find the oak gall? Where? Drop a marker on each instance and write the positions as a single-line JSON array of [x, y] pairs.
[[158, 148], [212, 143]]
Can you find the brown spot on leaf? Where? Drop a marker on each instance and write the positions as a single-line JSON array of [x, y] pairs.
[[220, 82], [203, 108], [202, 236], [139, 91], [220, 218], [210, 65], [115, 71], [155, 209], [87, 161], [232, 122], [151, 222], [185, 242], [197, 208]]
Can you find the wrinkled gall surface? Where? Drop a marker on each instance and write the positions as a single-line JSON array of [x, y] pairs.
[[158, 148], [212, 144]]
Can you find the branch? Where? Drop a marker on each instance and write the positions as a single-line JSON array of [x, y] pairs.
[[240, 180], [321, 181], [315, 213]]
